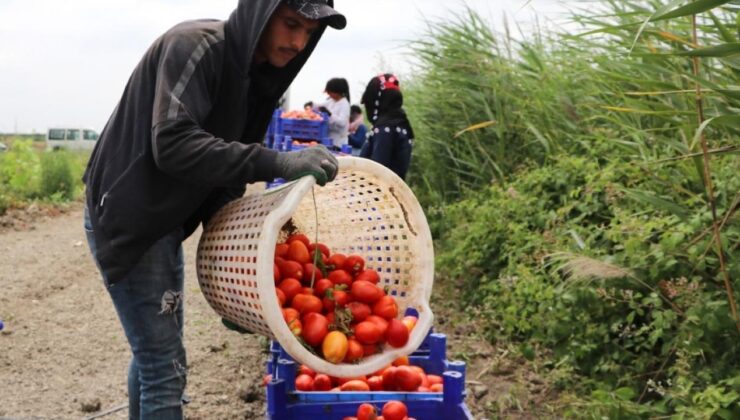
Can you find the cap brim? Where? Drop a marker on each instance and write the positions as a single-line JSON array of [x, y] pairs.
[[324, 13]]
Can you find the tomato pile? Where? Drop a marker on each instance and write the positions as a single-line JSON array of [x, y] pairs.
[[400, 376], [302, 115], [333, 305], [392, 410]]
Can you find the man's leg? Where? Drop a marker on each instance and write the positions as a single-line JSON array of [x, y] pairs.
[[149, 303]]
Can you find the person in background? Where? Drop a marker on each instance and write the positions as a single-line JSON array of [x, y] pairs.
[[337, 106], [308, 106], [391, 139], [184, 140], [357, 130]]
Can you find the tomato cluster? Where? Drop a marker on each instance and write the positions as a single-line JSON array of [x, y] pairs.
[[392, 410], [400, 376], [333, 304]]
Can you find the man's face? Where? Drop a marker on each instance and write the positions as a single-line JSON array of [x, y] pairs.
[[286, 35]]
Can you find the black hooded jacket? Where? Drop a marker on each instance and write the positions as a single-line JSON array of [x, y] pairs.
[[185, 137]]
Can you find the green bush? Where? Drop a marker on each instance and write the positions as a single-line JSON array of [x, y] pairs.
[[20, 171], [57, 179]]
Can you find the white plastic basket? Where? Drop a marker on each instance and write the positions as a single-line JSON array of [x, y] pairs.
[[367, 210]]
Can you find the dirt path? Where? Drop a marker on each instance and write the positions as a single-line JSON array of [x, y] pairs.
[[63, 354]]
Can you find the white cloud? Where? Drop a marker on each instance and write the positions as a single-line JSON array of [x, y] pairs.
[[68, 62]]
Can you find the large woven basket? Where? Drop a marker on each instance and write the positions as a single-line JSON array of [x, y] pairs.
[[367, 210]]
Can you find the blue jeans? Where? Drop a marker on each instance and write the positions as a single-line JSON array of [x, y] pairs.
[[153, 327]]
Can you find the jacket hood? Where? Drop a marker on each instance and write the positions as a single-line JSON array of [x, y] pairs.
[[244, 28]]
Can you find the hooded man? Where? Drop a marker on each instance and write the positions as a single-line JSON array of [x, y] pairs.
[[183, 141]]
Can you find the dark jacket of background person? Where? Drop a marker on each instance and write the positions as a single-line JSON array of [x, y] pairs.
[[171, 157], [391, 139]]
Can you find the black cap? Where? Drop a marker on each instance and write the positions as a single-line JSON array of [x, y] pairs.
[[318, 10]]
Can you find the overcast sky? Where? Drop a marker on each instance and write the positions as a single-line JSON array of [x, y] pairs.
[[67, 62]]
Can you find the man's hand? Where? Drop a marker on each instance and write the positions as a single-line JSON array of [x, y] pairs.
[[315, 160]]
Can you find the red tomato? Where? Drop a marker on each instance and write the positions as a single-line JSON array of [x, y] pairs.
[[369, 349], [281, 296], [359, 310], [437, 387], [353, 264], [290, 287], [368, 275], [354, 351], [337, 298], [322, 248], [395, 410], [305, 370], [389, 379], [342, 381], [367, 412], [315, 328], [407, 379], [397, 334], [380, 322], [311, 270], [386, 307], [375, 383], [305, 304], [321, 382], [290, 269], [321, 286], [276, 273], [367, 332], [366, 292], [355, 385], [298, 237], [434, 380], [281, 250], [298, 252], [340, 277], [304, 383], [266, 380], [331, 317], [308, 291], [335, 261]]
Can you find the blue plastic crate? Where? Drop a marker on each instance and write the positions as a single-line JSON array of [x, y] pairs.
[[285, 403], [299, 129]]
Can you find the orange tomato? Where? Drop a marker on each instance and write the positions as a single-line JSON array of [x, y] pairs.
[[401, 361], [437, 388], [334, 347], [410, 322]]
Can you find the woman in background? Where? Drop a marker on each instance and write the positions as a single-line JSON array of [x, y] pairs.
[[391, 138], [337, 106]]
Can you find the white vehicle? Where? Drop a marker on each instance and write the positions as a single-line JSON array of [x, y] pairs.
[[71, 138]]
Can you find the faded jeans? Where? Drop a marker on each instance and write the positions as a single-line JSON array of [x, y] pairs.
[[153, 327]]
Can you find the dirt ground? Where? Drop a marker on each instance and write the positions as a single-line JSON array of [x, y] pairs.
[[63, 354]]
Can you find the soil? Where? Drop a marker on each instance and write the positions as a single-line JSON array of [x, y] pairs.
[[63, 354]]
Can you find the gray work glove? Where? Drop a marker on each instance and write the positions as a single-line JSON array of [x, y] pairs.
[[315, 160]]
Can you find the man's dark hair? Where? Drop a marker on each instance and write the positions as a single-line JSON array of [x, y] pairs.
[[355, 109], [338, 85], [308, 104]]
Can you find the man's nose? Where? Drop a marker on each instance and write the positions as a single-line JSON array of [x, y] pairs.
[[299, 41]]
